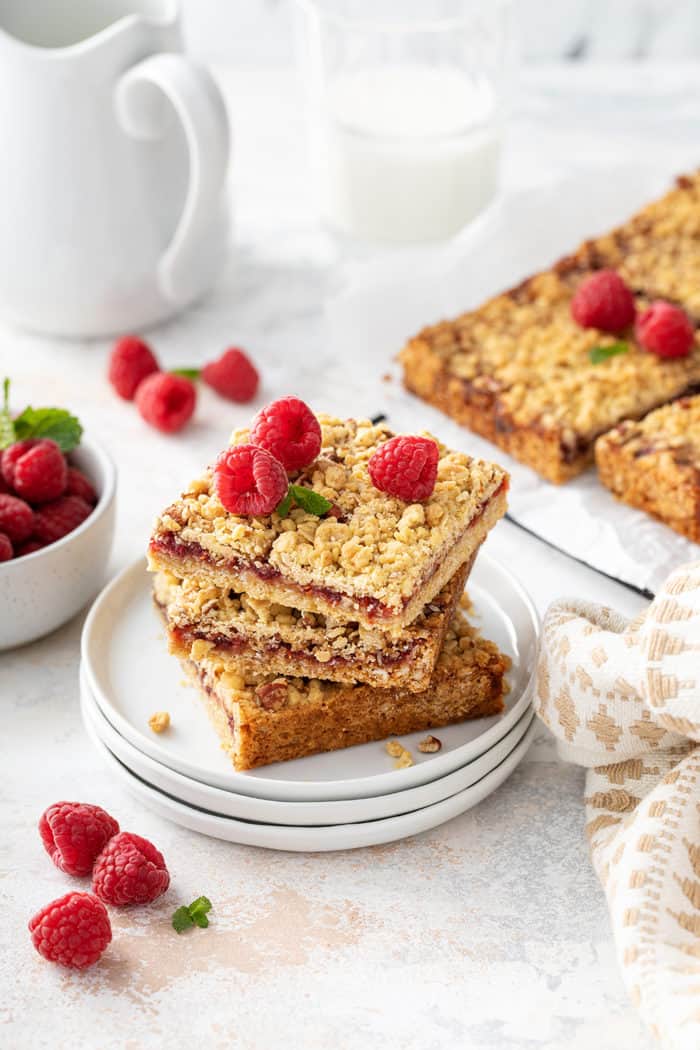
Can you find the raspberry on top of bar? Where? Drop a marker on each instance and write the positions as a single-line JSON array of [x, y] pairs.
[[657, 251], [373, 558]]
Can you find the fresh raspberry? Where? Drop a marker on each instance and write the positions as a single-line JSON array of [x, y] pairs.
[[40, 474], [28, 547], [72, 931], [665, 330], [130, 362], [233, 376], [10, 457], [603, 301], [405, 467], [78, 485], [16, 518], [249, 480], [166, 401], [5, 489], [74, 834], [54, 520], [289, 430], [129, 870], [5, 547]]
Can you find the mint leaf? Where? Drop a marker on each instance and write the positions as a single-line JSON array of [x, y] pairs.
[[201, 906], [602, 353], [194, 914], [182, 919], [284, 507], [54, 423], [188, 373], [309, 500], [7, 427]]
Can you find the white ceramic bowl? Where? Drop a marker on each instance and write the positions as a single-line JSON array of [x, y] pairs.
[[43, 590]]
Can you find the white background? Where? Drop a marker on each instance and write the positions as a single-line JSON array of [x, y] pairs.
[[259, 32]]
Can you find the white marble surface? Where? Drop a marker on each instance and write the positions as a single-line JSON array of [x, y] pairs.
[[488, 932]]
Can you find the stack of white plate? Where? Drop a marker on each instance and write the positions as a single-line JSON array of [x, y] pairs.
[[332, 801]]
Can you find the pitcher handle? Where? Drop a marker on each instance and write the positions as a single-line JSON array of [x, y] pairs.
[[200, 107]]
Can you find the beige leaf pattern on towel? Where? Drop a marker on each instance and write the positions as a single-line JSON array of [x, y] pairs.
[[623, 699]]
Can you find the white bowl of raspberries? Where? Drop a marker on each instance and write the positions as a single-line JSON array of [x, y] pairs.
[[56, 523]]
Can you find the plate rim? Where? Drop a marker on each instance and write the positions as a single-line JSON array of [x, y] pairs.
[[283, 811], [296, 790], [317, 839]]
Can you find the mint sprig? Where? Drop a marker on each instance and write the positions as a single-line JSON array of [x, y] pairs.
[[188, 373], [194, 914], [310, 501], [54, 423], [599, 354]]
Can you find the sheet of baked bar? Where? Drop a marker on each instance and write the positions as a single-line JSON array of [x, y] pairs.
[[384, 302]]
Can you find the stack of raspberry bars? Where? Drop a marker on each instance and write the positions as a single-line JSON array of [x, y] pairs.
[[309, 632]]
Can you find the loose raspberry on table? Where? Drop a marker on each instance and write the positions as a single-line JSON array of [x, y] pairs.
[[78, 485], [289, 430], [129, 870], [405, 467], [40, 474], [74, 834], [28, 547], [665, 330], [249, 480], [72, 931], [16, 518], [6, 551], [53, 521], [166, 401], [233, 376], [603, 301], [130, 362]]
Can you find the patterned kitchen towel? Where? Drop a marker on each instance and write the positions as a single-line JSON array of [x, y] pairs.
[[623, 699]]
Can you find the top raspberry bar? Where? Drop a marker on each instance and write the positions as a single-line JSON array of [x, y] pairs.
[[378, 561], [518, 371]]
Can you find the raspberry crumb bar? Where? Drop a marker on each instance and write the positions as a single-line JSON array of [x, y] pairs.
[[273, 719], [374, 560], [518, 371], [256, 637], [655, 464]]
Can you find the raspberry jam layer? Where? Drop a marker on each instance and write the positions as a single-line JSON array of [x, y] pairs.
[[170, 545], [396, 656]]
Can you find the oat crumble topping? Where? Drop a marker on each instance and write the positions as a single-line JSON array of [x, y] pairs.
[[674, 429], [523, 352]]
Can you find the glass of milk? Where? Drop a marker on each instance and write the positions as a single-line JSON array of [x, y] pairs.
[[406, 100]]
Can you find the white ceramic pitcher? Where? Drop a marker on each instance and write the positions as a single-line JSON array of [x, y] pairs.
[[113, 155]]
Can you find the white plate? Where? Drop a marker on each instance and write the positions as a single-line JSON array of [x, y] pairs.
[[266, 811], [313, 839], [131, 674]]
